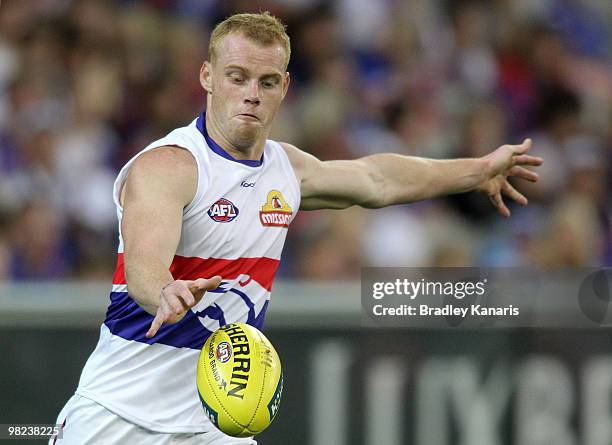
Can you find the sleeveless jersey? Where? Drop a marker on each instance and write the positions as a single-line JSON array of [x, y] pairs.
[[234, 227]]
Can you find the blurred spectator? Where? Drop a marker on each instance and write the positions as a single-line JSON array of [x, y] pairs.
[[37, 244], [85, 84]]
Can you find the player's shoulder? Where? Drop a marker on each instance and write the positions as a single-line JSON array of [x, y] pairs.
[[290, 149], [169, 158], [170, 168], [300, 160]]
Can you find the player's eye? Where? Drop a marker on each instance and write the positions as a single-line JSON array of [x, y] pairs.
[[269, 84], [236, 78]]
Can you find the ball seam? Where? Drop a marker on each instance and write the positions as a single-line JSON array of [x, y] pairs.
[[260, 395]]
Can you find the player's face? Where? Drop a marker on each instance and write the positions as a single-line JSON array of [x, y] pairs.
[[246, 84]]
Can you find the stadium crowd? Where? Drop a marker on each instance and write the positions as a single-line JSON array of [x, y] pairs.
[[86, 84]]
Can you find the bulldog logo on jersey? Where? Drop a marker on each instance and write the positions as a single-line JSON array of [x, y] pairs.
[[275, 212], [223, 211]]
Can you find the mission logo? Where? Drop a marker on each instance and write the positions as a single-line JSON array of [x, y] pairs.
[[223, 211], [275, 212]]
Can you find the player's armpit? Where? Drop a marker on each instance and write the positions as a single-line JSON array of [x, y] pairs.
[[159, 185]]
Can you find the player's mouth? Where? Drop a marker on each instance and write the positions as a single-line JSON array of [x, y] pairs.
[[248, 116]]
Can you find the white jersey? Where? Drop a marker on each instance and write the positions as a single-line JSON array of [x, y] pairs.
[[234, 227]]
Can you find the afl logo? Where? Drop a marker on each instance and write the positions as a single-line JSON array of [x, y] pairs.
[[223, 211], [223, 352]]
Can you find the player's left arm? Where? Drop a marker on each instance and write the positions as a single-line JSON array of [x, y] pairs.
[[382, 180]]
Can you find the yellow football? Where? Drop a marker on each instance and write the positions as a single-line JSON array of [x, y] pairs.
[[239, 380]]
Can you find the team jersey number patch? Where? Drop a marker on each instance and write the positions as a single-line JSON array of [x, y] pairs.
[[275, 212], [223, 211]]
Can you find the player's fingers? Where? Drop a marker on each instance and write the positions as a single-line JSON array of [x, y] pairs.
[[523, 173], [178, 290], [176, 294], [156, 324], [185, 297], [527, 160], [512, 193], [204, 284], [521, 148], [498, 202], [178, 302]]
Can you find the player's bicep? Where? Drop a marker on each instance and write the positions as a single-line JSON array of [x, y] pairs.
[[339, 184], [159, 185], [335, 184]]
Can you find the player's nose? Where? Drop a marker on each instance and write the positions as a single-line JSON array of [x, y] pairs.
[[252, 93]]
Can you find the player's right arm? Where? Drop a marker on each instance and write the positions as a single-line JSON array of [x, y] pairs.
[[159, 185]]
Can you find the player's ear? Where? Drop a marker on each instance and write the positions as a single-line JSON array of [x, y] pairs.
[[286, 80], [206, 76]]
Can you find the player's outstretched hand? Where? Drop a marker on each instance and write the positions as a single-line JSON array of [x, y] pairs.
[[506, 161], [177, 298]]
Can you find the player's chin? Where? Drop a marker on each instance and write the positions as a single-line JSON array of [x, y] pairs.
[[246, 135]]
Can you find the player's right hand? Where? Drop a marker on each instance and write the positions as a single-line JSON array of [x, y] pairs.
[[177, 298]]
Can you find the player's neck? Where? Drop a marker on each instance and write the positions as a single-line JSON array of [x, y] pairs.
[[254, 152]]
